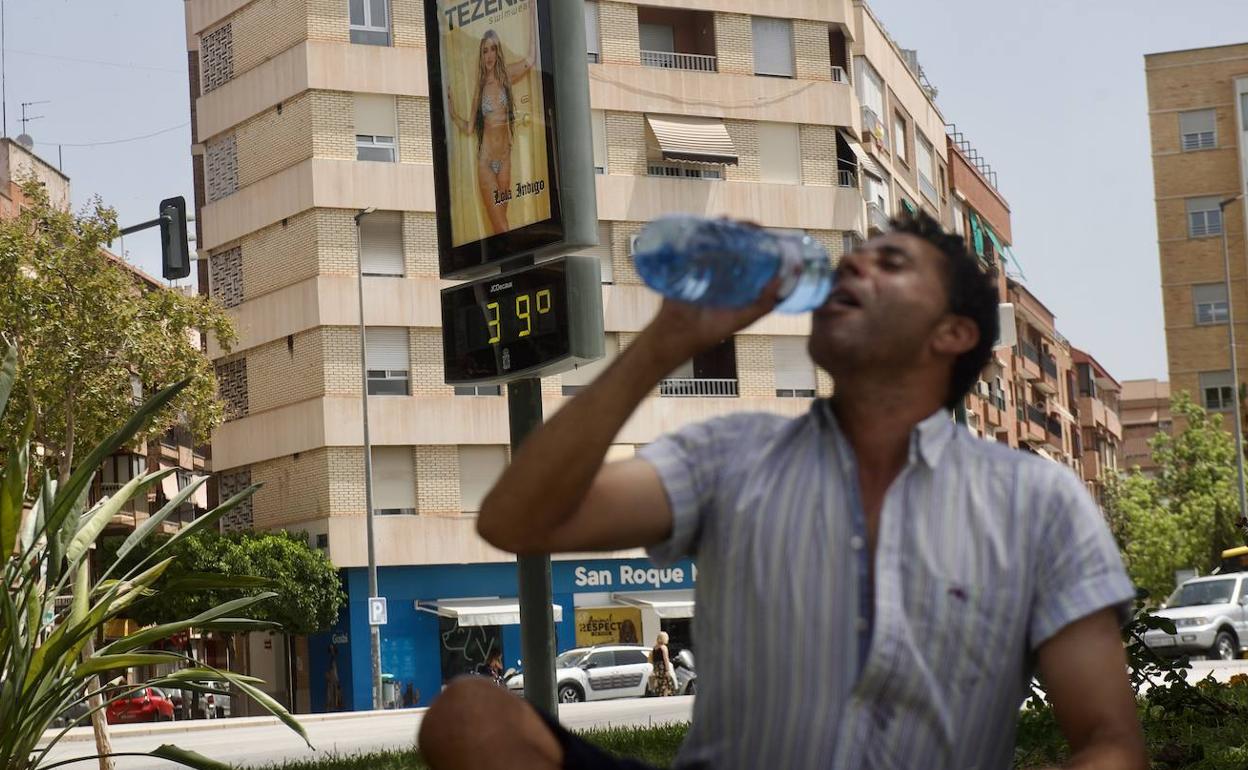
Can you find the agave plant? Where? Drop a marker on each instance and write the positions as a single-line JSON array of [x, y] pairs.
[[48, 663]]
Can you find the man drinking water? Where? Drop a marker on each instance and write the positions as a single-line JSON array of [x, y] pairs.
[[876, 585]]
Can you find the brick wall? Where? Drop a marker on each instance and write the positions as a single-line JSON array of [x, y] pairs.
[[832, 240], [280, 255], [414, 141], [621, 260], [275, 139], [327, 20], [756, 367], [407, 20], [286, 371], [333, 132], [341, 357], [734, 43], [823, 383], [818, 155], [744, 134], [437, 480], [812, 56], [426, 363], [297, 487], [265, 28], [420, 243], [626, 143], [346, 481], [620, 40]]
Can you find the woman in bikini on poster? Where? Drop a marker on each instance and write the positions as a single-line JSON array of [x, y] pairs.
[[493, 121]]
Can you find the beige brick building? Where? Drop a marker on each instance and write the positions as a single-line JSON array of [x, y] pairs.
[[306, 112], [1198, 114]]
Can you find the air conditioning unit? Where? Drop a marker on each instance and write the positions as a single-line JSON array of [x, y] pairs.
[[982, 389]]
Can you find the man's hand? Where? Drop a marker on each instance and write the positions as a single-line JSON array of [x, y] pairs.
[[1084, 668], [680, 330]]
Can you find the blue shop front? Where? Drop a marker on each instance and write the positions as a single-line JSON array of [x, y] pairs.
[[445, 620]]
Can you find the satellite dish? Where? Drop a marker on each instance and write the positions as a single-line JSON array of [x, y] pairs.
[[26, 141]]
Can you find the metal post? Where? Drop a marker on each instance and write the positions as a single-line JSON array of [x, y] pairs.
[[374, 631], [1230, 335], [537, 619]]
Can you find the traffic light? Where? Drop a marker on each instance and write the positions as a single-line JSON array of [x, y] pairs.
[[175, 258]]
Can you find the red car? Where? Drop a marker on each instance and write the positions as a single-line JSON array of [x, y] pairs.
[[146, 705]]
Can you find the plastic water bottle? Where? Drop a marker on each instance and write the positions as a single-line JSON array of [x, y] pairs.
[[726, 264]]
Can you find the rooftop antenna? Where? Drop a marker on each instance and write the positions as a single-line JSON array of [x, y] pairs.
[[25, 118]]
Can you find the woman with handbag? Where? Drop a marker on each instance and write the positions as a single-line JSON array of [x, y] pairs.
[[662, 678]]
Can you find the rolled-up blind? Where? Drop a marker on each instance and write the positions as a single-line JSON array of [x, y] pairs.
[[794, 369], [592, 43], [374, 115], [381, 243], [773, 46], [394, 478], [387, 348]]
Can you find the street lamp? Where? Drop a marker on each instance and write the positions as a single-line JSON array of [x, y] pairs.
[[374, 631], [1230, 336]]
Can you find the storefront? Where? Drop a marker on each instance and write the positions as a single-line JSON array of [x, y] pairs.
[[445, 620]]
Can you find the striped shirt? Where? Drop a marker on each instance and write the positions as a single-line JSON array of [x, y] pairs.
[[983, 553]]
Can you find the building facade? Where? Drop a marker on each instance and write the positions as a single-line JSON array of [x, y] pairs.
[[1198, 113], [1145, 406], [1100, 423], [307, 111]]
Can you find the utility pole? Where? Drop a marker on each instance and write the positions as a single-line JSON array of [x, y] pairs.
[[1230, 341], [374, 630]]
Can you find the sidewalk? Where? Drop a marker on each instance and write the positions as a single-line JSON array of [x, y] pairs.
[[204, 725]]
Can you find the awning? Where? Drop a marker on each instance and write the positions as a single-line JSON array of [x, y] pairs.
[[872, 167], [860, 154], [701, 140], [908, 206], [977, 234], [200, 496], [481, 612], [666, 604], [169, 484]]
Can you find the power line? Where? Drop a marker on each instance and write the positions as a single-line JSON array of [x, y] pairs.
[[100, 62], [119, 141]]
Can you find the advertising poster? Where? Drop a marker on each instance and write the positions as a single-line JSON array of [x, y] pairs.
[[608, 625], [494, 116]]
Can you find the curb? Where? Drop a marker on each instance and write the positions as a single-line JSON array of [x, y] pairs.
[[82, 734]]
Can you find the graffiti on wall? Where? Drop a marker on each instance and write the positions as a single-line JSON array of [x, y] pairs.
[[464, 648]]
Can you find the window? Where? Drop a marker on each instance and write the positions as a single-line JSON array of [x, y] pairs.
[[600, 660], [593, 42], [1204, 218], [773, 46], [598, 127], [870, 89], [779, 153], [381, 243], [581, 376], [479, 468], [478, 390], [322, 540], [959, 227], [370, 21], [631, 658], [795, 372], [657, 37], [394, 481], [1198, 130], [923, 160], [386, 357], [1087, 380], [1216, 391], [375, 128], [899, 138], [1210, 302]]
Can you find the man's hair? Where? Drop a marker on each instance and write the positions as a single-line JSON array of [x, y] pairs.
[[972, 293]]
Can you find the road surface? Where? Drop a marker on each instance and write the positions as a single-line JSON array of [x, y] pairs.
[[252, 741]]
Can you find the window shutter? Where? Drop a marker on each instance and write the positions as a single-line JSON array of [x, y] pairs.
[[794, 369], [923, 155], [374, 115], [779, 153], [479, 468], [593, 44], [394, 478], [773, 46], [598, 127], [1198, 121], [381, 243], [583, 375], [1209, 292], [387, 348]]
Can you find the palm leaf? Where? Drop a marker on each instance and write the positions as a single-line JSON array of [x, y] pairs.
[[165, 630], [8, 375], [104, 512], [142, 531], [13, 491], [97, 664], [188, 758]]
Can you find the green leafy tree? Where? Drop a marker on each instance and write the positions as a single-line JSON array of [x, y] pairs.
[[309, 595], [1186, 514], [85, 326]]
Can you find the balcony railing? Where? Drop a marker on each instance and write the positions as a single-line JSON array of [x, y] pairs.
[[1054, 426], [997, 400], [846, 179], [871, 124], [1049, 365], [876, 217], [1029, 352], [136, 504], [676, 170], [667, 60], [692, 387], [1036, 415], [928, 189], [839, 75]]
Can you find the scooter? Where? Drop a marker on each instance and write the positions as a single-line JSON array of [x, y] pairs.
[[686, 676]]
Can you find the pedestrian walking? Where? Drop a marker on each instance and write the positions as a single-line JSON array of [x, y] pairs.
[[662, 680], [876, 585]]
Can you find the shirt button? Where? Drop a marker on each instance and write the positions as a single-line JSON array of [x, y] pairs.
[[862, 625], [855, 542]]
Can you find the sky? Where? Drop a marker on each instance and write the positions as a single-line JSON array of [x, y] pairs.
[[1050, 93]]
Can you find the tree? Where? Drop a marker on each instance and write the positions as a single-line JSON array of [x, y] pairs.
[[1185, 515], [85, 327], [306, 583]]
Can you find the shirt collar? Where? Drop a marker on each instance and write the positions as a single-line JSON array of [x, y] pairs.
[[928, 439]]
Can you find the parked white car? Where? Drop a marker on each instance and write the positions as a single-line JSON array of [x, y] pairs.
[[1210, 618], [605, 672]]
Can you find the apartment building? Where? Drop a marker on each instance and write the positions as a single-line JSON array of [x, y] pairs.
[[1198, 113], [1100, 425], [1145, 407], [308, 111]]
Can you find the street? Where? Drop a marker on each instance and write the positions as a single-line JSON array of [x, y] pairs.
[[253, 741]]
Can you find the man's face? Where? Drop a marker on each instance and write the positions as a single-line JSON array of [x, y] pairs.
[[889, 299]]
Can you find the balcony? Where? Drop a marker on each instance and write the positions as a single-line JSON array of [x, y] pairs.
[[847, 179], [1036, 415], [928, 189], [1029, 360], [873, 127], [1048, 364], [685, 170], [876, 217], [839, 75], [695, 387], [669, 60]]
